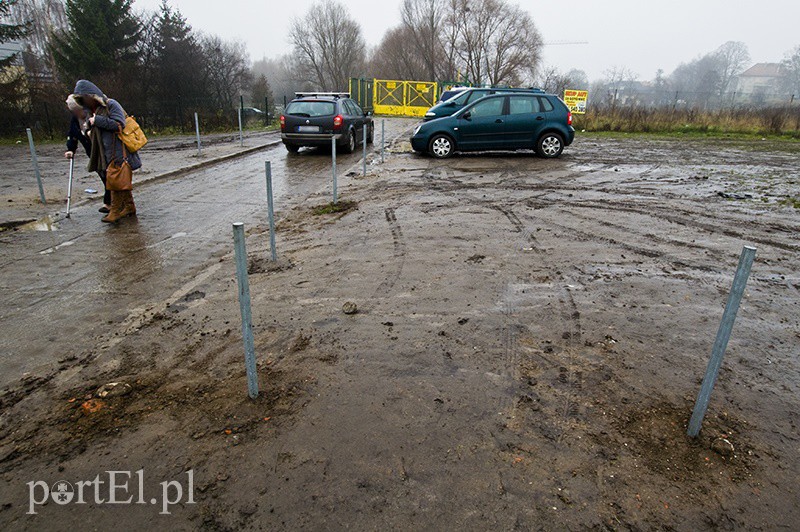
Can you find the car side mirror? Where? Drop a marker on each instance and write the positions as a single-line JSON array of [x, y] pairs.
[[467, 116], [451, 104], [367, 113]]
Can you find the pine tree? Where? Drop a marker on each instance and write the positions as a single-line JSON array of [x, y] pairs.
[[178, 66], [12, 77], [100, 43], [261, 91]]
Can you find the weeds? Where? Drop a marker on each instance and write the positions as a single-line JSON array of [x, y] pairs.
[[334, 208], [780, 121]]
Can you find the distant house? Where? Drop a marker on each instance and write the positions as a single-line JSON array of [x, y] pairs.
[[12, 72], [761, 83]]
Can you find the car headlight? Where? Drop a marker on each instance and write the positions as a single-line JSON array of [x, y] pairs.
[[430, 113], [416, 129]]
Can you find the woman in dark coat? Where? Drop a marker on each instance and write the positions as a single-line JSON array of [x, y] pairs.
[[78, 133], [107, 118]]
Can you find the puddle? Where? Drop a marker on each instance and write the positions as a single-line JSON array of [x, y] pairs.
[[42, 224]]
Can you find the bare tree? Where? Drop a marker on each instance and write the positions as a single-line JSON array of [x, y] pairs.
[[328, 45], [731, 58], [498, 42], [556, 82], [227, 69], [397, 58], [790, 67], [422, 23], [43, 18]]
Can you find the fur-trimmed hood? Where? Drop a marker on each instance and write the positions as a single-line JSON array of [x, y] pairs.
[[86, 89]]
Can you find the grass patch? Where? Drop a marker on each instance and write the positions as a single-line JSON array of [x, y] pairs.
[[340, 207], [781, 122], [790, 202]]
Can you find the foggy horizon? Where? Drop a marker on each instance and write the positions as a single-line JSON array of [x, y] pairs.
[[619, 33]]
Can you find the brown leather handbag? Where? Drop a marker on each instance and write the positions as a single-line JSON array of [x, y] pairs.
[[119, 176]]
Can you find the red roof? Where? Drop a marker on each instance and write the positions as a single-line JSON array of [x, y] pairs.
[[763, 70]]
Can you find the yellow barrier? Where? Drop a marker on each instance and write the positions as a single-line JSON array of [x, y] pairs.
[[403, 98]]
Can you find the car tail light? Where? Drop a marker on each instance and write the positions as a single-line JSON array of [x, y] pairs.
[[569, 118], [283, 122], [337, 121]]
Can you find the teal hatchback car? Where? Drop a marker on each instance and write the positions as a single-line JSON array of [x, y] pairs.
[[503, 121]]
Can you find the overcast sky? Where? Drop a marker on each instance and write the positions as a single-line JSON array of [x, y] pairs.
[[641, 35]]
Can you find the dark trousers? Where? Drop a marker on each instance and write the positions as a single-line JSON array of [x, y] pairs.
[[107, 193]]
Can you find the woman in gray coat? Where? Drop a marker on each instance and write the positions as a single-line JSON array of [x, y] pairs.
[[106, 118]]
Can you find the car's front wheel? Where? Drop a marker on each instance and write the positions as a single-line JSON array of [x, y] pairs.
[[550, 145], [350, 147], [441, 146]]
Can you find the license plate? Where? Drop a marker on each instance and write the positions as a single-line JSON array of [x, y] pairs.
[[308, 129]]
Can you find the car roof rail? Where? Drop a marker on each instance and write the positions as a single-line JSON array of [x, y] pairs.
[[335, 95]]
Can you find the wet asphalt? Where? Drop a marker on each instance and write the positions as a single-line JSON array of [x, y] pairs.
[[62, 289]]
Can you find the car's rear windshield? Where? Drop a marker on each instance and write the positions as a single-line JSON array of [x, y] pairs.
[[311, 108]]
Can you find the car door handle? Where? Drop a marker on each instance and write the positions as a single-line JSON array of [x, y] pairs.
[[498, 121], [539, 118]]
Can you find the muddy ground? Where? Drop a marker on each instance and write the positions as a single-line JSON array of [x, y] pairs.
[[529, 340]]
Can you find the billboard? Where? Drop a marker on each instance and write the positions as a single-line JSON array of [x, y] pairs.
[[576, 101]]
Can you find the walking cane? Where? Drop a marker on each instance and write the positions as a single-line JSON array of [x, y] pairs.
[[69, 187]]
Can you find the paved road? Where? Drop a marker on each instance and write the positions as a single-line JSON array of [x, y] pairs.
[[61, 288]]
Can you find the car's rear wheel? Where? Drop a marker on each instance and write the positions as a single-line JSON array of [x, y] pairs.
[[550, 145], [441, 146], [291, 148], [350, 147]]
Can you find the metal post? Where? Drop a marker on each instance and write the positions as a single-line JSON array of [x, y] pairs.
[[36, 166], [721, 342], [333, 163], [244, 306], [69, 186], [241, 137], [197, 132], [271, 211], [47, 117], [383, 137], [364, 145], [266, 110]]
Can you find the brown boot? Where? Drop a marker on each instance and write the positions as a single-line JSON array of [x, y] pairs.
[[128, 206], [116, 208]]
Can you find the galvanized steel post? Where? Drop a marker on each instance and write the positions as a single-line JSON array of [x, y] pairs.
[[271, 212], [721, 342], [197, 132], [244, 307], [333, 159], [383, 137], [364, 145], [241, 136], [36, 166]]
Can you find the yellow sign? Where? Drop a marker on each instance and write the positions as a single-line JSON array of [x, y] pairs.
[[576, 101]]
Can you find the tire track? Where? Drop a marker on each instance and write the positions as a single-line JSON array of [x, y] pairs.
[[399, 254], [668, 214]]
